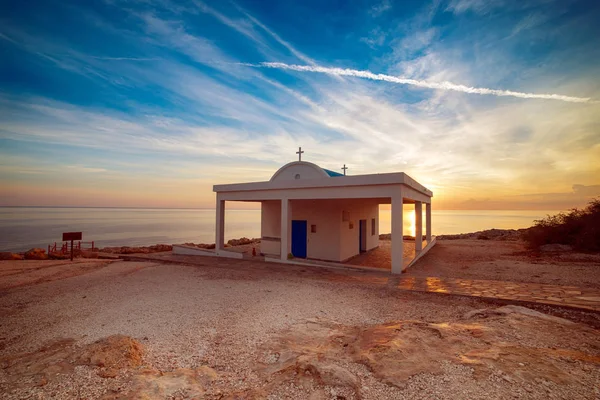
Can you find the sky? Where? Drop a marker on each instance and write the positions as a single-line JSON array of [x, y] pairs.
[[491, 104]]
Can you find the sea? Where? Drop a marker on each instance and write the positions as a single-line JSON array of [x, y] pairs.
[[22, 228]]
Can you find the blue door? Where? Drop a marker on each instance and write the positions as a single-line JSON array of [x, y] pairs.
[[299, 238]]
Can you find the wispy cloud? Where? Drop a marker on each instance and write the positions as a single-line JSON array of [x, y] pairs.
[[81, 168], [243, 26], [477, 6], [420, 83], [125, 58], [380, 8], [278, 38]]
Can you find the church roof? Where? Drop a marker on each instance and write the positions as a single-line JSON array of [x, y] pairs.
[[331, 173]]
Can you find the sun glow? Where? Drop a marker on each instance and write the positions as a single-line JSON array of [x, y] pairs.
[[410, 216]]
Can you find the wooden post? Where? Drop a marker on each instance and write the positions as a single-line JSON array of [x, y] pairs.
[[71, 250]]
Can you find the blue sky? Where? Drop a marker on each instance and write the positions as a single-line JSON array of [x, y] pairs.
[[491, 104]]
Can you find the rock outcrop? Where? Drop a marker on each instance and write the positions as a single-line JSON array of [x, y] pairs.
[[7, 255], [242, 241], [36, 254], [157, 248]]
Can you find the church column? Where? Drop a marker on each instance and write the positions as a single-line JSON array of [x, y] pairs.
[[286, 228], [418, 226], [397, 232], [428, 221], [220, 224]]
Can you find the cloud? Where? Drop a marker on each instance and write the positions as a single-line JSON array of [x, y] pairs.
[[477, 6], [380, 8], [589, 190], [125, 58], [92, 170], [173, 34], [278, 38], [375, 38], [241, 25], [419, 83], [579, 197]]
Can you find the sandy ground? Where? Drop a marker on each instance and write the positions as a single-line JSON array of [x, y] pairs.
[[237, 329]]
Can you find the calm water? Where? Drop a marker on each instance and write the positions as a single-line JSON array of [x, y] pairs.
[[22, 228]]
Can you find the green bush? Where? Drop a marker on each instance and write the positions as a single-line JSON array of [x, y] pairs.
[[577, 228]]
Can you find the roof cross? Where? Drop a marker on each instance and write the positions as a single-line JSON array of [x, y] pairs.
[[299, 152], [344, 168]]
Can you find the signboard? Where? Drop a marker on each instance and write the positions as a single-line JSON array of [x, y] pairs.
[[72, 236]]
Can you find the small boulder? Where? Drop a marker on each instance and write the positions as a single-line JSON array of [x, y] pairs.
[[113, 352]]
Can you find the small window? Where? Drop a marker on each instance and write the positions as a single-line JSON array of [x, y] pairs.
[[373, 227], [297, 176], [313, 229]]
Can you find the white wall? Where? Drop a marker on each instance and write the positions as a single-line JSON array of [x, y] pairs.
[[270, 227], [349, 238], [333, 239], [326, 216]]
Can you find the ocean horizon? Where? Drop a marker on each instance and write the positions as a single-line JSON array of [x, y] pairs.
[[25, 227]]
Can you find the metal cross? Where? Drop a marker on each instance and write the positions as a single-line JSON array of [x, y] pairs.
[[299, 152], [345, 168]]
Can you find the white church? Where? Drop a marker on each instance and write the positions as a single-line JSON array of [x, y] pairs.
[[309, 212]]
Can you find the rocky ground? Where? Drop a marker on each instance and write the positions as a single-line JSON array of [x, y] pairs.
[[488, 234], [233, 329]]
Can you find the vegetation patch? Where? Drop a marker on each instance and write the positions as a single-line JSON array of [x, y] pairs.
[[578, 228]]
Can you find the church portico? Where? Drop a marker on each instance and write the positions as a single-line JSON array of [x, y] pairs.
[[316, 223], [312, 213]]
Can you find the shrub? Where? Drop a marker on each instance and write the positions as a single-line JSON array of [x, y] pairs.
[[577, 228]]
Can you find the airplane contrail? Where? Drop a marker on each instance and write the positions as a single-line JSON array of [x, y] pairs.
[[414, 82]]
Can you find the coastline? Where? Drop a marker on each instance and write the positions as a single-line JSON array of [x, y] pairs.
[[24, 228], [41, 254]]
